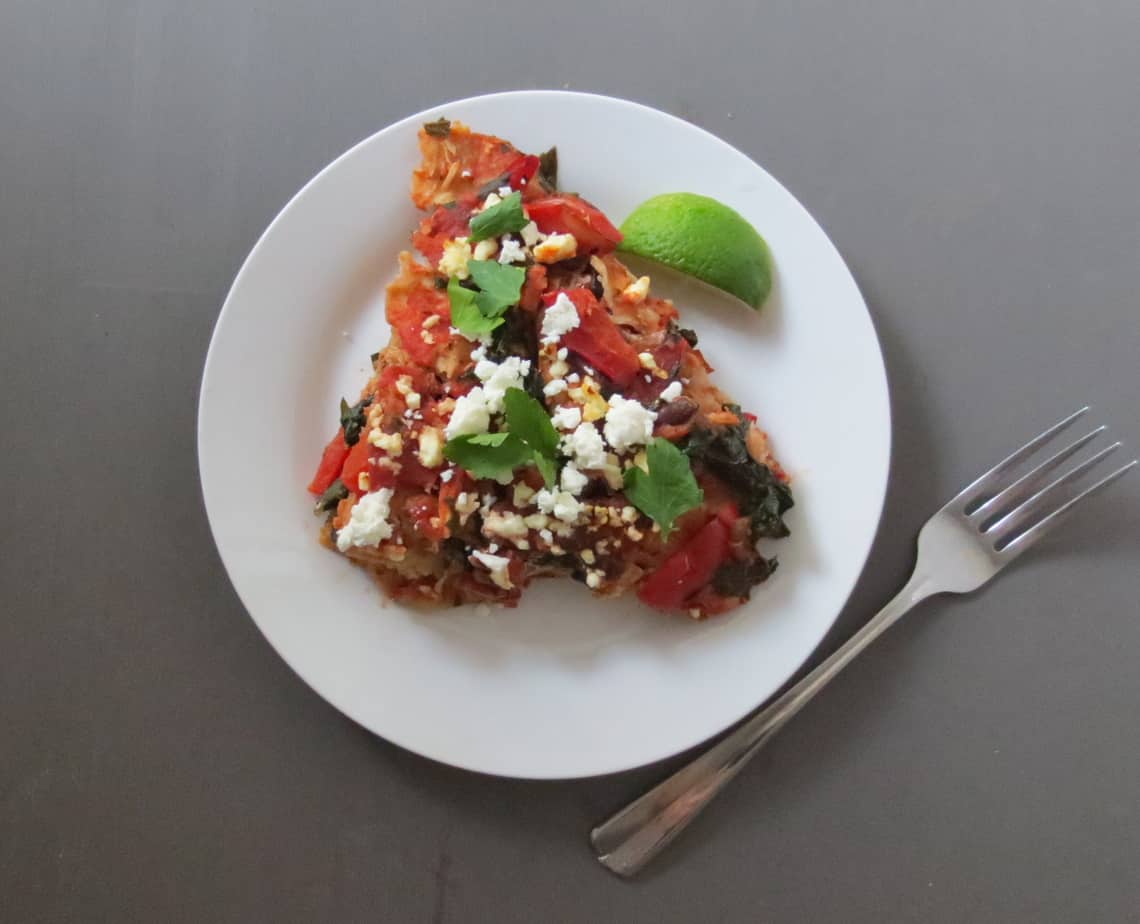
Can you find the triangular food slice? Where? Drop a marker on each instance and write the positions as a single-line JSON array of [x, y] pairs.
[[538, 413]]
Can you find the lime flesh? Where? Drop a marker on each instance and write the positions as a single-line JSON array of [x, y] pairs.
[[703, 238]]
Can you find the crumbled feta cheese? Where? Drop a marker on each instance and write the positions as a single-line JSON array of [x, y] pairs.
[[585, 446], [593, 579], [456, 253], [492, 199], [648, 379], [505, 191], [566, 417], [588, 556], [671, 392], [471, 415], [465, 173], [563, 353], [628, 423], [511, 251], [530, 234], [573, 481], [629, 514], [446, 475], [537, 521], [647, 361], [558, 369], [554, 387], [497, 565], [364, 482], [413, 399], [636, 291], [485, 249], [508, 525], [466, 504], [493, 547], [634, 533], [391, 443], [556, 247], [426, 337], [498, 377], [523, 494], [561, 505], [573, 378], [368, 523], [559, 318], [431, 448], [546, 535], [523, 544], [431, 321]]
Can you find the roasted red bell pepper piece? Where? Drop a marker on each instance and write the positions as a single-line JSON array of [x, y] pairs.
[[566, 214], [446, 222], [355, 463], [332, 461], [692, 566], [597, 338], [523, 172]]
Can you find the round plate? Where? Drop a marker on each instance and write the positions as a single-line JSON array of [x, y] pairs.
[[565, 685]]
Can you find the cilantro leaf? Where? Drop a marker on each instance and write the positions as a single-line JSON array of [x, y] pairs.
[[501, 285], [528, 420], [488, 455], [489, 439], [501, 218], [466, 314], [546, 469], [668, 489]]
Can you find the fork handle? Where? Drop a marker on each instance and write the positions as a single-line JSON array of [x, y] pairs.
[[628, 840]]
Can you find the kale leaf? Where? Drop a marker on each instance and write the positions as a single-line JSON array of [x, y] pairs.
[[737, 578], [352, 419], [759, 494], [333, 495]]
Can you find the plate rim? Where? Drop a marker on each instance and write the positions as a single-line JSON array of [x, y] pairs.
[[211, 353]]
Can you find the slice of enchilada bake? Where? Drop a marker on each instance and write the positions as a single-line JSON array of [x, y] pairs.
[[537, 412]]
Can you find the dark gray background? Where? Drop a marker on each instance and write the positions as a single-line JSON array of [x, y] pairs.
[[976, 163]]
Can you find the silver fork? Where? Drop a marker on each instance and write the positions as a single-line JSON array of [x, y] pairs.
[[961, 547]]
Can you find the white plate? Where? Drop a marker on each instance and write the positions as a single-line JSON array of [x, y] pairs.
[[564, 686]]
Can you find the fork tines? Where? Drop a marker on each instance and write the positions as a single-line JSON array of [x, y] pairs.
[[1013, 513]]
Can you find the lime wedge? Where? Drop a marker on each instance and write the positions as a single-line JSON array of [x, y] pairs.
[[704, 238]]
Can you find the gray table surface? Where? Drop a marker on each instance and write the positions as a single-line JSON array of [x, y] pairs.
[[977, 163]]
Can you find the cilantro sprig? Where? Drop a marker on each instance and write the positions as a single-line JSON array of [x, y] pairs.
[[668, 489], [475, 313], [501, 218], [529, 437], [488, 455]]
